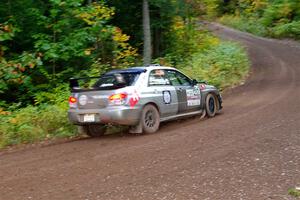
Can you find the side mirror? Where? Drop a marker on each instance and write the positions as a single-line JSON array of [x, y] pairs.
[[194, 82]]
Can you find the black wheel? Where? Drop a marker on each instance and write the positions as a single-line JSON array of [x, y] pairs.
[[95, 130], [150, 119], [211, 105]]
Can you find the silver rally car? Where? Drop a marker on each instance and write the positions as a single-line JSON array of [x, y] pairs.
[[139, 97]]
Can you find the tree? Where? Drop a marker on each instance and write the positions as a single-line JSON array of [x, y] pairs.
[[63, 38], [147, 34]]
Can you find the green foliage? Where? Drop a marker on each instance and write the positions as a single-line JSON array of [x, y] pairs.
[[48, 119], [291, 30], [278, 18], [189, 39], [294, 192], [213, 8], [31, 124], [56, 96], [14, 70], [244, 24], [70, 38], [223, 65], [204, 57], [162, 13], [7, 32], [75, 31]]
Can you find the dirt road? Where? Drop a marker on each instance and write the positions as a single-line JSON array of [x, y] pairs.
[[251, 151]]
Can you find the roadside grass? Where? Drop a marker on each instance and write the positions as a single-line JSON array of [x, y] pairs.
[[288, 30], [256, 26], [223, 65], [47, 119], [251, 25], [294, 192], [35, 123]]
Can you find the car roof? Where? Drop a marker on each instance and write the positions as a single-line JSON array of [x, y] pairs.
[[128, 70], [137, 69]]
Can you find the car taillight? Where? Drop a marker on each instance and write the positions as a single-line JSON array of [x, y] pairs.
[[72, 102], [118, 99]]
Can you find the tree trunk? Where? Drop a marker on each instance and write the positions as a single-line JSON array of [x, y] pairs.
[[147, 34], [157, 42]]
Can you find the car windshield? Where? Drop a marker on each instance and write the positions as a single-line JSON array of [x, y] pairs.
[[115, 81]]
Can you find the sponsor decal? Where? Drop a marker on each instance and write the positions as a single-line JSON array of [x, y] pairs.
[[136, 91], [193, 97], [167, 97], [202, 87], [196, 90], [134, 98], [83, 100]]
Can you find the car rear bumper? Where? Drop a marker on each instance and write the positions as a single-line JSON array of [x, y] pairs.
[[121, 115]]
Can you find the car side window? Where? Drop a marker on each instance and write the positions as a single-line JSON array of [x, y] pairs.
[[178, 79], [158, 77]]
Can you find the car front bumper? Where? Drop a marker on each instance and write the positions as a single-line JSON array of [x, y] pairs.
[[121, 115]]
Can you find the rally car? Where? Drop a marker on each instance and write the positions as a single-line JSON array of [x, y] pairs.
[[139, 97]]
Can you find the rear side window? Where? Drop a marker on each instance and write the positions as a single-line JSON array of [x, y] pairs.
[[158, 77]]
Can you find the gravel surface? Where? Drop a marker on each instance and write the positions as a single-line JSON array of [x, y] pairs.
[[249, 151]]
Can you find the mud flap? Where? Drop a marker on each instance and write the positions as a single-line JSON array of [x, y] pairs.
[[220, 101], [203, 114], [82, 130], [137, 129]]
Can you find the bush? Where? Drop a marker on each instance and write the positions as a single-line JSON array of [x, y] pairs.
[[222, 65], [252, 25], [289, 30], [34, 123], [279, 19], [204, 57], [185, 39]]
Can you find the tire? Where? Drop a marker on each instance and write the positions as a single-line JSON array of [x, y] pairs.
[[211, 105], [150, 119], [95, 130]]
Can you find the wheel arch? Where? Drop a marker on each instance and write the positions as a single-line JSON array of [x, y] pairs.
[[216, 94], [154, 104]]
